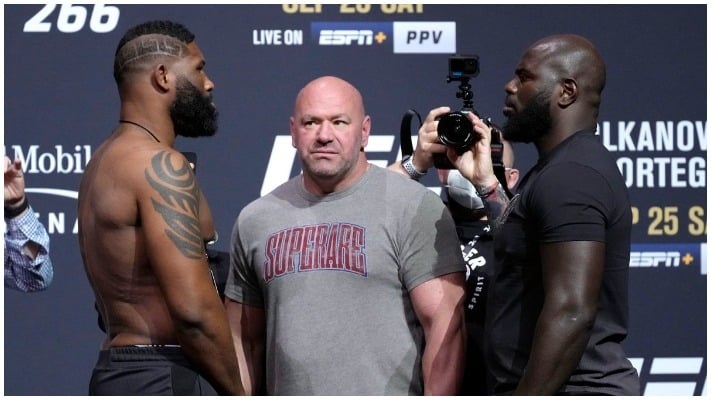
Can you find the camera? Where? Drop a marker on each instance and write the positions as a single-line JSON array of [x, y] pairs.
[[463, 67], [455, 129]]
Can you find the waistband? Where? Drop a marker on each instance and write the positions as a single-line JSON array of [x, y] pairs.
[[143, 353]]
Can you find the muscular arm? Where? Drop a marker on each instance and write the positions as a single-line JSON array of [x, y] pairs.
[[572, 276], [438, 304], [169, 209], [249, 335]]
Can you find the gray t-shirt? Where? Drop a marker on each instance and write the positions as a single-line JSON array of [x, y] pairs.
[[333, 274]]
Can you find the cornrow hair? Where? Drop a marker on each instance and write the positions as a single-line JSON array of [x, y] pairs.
[[129, 52]]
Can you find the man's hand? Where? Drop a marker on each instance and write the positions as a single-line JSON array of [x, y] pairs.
[[427, 141], [14, 183], [475, 164]]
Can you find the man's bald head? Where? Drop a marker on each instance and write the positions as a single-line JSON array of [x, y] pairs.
[[333, 89], [573, 57]]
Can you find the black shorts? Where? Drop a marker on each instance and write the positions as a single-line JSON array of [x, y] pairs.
[[146, 371]]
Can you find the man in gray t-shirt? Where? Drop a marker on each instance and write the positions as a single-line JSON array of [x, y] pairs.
[[348, 279]]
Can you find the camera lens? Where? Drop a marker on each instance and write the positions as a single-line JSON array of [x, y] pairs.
[[455, 130]]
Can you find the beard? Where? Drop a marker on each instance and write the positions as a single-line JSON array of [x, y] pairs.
[[192, 112], [532, 122]]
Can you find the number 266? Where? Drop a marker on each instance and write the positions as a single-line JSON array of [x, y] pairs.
[[72, 18]]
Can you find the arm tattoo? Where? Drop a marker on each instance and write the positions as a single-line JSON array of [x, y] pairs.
[[179, 206], [496, 206]]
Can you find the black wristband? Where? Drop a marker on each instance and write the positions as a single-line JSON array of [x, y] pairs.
[[12, 212]]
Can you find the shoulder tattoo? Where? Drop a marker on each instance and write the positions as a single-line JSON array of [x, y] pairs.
[[177, 203]]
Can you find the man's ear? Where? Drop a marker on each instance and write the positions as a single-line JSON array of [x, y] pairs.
[[512, 176], [161, 78], [570, 92], [365, 133], [292, 131]]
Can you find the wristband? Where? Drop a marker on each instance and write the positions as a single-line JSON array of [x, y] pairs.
[[411, 170], [488, 190], [12, 212]]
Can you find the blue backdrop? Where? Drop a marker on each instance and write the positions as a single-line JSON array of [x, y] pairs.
[[61, 102]]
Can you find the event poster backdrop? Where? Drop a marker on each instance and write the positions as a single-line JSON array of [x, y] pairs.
[[61, 102]]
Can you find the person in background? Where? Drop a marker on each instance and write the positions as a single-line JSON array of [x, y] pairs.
[[28, 267], [348, 278], [557, 310], [475, 238], [143, 225]]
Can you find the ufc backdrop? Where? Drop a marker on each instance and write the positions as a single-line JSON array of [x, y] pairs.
[[61, 102]]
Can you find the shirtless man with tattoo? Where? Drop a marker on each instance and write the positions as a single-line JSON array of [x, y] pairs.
[[143, 221]]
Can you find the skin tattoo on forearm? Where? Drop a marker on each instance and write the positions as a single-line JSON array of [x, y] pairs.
[[179, 208]]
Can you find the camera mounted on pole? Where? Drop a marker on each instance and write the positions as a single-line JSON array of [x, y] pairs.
[[454, 128]]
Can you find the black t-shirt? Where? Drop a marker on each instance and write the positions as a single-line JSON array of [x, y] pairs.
[[575, 193], [477, 248], [476, 241]]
